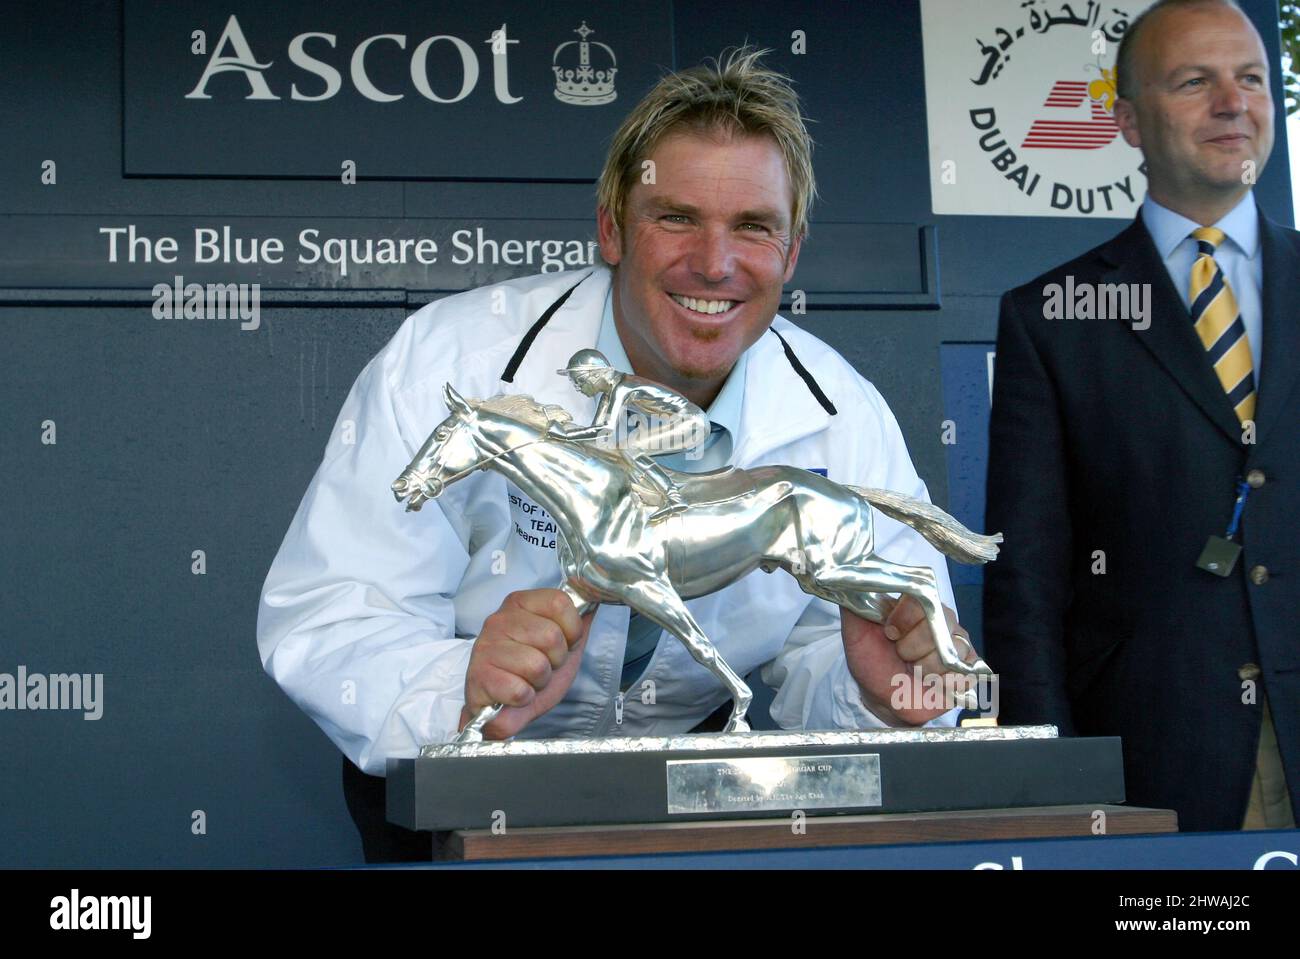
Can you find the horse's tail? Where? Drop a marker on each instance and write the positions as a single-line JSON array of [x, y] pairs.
[[940, 530]]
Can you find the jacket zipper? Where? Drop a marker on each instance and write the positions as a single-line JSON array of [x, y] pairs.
[[602, 726], [620, 698]]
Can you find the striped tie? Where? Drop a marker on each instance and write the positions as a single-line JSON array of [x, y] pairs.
[[1218, 324]]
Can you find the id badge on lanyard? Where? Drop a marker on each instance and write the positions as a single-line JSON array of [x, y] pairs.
[[1221, 552]]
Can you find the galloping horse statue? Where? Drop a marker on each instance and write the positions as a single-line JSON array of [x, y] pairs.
[[736, 520]]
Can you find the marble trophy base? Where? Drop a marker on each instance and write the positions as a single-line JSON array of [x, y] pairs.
[[720, 776]]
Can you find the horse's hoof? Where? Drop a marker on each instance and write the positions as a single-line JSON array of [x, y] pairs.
[[473, 731], [737, 726], [969, 700]]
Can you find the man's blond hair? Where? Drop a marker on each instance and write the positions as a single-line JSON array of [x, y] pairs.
[[734, 94]]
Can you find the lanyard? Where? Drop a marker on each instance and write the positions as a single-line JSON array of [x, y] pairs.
[[1242, 489]]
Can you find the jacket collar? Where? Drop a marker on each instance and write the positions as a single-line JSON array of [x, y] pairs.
[[572, 327], [1280, 366], [1132, 258], [778, 409]]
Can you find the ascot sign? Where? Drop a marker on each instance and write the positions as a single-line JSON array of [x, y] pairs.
[[242, 60], [494, 90]]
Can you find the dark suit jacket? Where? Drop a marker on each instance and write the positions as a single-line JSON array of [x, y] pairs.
[[1108, 439]]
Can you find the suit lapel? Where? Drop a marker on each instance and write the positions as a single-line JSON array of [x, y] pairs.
[[1280, 360], [1171, 339]]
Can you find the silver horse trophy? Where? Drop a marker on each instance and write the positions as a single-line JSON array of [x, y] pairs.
[[735, 521]]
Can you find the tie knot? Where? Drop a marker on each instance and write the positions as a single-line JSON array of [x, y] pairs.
[[1208, 236]]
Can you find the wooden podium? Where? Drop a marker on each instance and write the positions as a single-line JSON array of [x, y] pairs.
[[814, 831]]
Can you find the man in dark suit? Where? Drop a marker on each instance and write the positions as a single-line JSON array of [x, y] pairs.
[[1120, 445]]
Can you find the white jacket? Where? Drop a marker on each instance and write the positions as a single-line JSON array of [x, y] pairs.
[[368, 613]]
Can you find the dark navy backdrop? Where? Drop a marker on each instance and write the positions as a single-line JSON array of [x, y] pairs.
[[176, 436]]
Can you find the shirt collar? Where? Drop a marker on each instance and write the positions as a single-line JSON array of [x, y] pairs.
[[1168, 229], [726, 407]]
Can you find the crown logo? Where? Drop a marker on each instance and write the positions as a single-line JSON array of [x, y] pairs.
[[579, 81]]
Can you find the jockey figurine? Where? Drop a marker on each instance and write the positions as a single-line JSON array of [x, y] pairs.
[[672, 422]]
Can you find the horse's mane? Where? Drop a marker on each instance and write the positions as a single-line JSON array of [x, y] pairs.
[[521, 406]]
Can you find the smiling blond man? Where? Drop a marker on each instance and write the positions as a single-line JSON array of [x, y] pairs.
[[703, 209]]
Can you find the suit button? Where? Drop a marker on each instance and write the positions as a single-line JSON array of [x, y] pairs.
[[1255, 478], [1259, 575], [1249, 671]]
